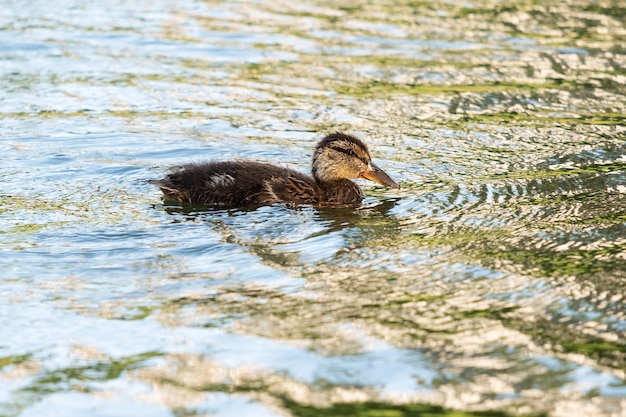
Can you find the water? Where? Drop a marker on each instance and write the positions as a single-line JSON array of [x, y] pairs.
[[491, 282]]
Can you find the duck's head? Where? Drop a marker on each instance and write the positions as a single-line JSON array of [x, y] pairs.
[[340, 156]]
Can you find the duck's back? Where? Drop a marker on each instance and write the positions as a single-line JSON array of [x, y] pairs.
[[239, 183]]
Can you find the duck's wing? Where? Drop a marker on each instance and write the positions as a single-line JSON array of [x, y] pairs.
[[294, 188]]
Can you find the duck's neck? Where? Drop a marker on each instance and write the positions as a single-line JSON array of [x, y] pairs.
[[342, 191]]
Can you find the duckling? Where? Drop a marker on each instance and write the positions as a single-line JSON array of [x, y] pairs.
[[337, 158]]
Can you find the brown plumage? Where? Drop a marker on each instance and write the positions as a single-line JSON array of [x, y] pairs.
[[337, 158]]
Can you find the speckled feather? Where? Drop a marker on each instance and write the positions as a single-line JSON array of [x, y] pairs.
[[235, 183], [337, 157]]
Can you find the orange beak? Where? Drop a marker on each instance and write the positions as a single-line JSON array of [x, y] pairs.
[[373, 173]]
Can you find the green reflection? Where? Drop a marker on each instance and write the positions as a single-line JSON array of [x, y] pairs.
[[539, 119], [13, 360], [63, 379], [380, 409], [381, 88], [75, 378]]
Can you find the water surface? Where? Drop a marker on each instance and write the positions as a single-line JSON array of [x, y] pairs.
[[490, 284]]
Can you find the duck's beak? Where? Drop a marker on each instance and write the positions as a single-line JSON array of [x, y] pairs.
[[374, 173]]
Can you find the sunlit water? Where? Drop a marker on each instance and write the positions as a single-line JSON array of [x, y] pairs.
[[492, 281]]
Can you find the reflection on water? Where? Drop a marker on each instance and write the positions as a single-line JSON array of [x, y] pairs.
[[491, 284]]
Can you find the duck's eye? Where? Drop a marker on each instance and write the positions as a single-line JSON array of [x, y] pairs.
[[348, 152]]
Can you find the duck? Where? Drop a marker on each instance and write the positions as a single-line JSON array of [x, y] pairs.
[[337, 159]]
